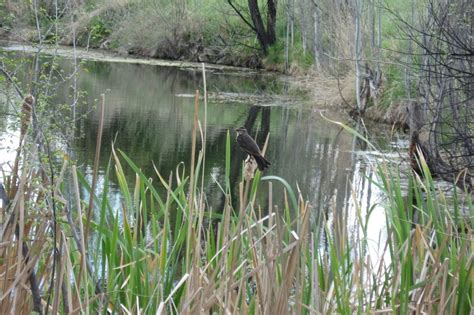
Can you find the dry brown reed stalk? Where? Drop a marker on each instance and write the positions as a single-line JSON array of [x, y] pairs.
[[203, 165], [210, 292], [96, 167], [18, 261], [196, 218], [25, 120], [204, 136], [224, 289], [13, 232], [84, 242], [190, 242], [290, 268], [79, 239], [193, 150]]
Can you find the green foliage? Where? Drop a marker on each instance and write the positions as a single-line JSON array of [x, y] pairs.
[[98, 31], [90, 5], [276, 54], [425, 214], [303, 59], [51, 38], [7, 18], [394, 89], [297, 57]]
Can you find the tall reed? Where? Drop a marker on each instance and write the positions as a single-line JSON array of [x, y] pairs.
[[168, 253]]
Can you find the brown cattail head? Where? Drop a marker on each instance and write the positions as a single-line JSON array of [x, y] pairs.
[[26, 110], [250, 167]]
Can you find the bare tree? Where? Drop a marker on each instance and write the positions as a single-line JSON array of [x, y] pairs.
[[444, 115], [252, 16], [317, 35], [358, 53]]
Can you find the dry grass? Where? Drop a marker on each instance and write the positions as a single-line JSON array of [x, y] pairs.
[[326, 90]]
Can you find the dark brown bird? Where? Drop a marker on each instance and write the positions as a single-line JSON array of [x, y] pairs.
[[249, 146]]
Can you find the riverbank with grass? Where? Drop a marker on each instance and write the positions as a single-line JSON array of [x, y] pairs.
[[314, 43], [319, 93]]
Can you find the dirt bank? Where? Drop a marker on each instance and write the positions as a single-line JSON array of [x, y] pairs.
[[325, 91]]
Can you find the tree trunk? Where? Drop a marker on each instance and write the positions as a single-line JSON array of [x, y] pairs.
[[271, 21], [258, 24], [266, 37], [287, 43], [358, 52], [317, 36]]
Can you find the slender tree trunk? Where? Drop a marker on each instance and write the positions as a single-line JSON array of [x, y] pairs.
[[358, 50], [291, 10], [271, 21], [304, 35], [409, 56], [287, 41], [317, 36]]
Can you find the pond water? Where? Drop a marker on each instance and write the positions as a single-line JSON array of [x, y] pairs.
[[149, 115]]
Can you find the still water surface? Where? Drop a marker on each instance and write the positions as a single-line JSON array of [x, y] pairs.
[[149, 116]]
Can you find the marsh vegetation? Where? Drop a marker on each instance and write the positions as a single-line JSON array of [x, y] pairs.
[[123, 190]]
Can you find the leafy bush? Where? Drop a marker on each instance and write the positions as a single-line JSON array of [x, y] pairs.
[[98, 31], [157, 30], [6, 18]]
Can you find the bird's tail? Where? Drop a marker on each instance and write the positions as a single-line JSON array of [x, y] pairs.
[[262, 162]]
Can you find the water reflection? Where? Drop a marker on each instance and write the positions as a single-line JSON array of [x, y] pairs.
[[147, 117], [9, 135]]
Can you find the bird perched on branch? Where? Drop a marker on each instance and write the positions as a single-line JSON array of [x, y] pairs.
[[249, 146]]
